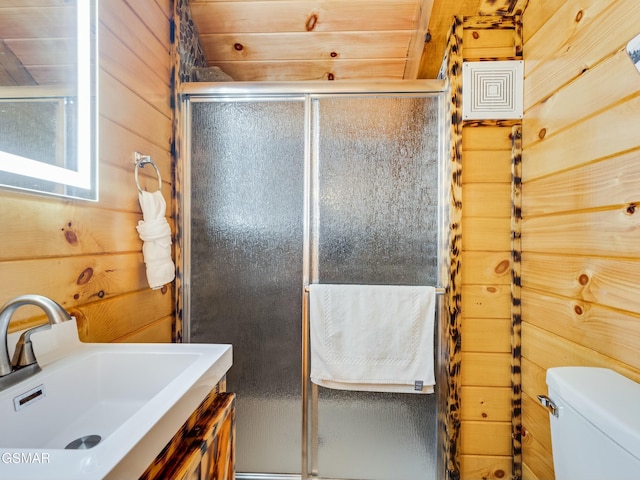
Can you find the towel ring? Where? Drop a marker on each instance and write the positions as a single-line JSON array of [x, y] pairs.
[[142, 160]]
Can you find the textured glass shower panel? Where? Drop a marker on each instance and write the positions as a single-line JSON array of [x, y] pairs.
[[376, 222], [247, 167]]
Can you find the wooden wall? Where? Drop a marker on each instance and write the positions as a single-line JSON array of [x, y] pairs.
[[87, 255], [486, 413], [580, 227]]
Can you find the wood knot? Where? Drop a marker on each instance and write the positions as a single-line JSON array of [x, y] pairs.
[[330, 76], [85, 276], [492, 289], [579, 16], [311, 23], [164, 289], [502, 267], [542, 133], [583, 279], [475, 35], [499, 473], [631, 209], [238, 46], [333, 54], [71, 237], [578, 309]]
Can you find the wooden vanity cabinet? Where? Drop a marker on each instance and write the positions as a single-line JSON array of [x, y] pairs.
[[204, 448]]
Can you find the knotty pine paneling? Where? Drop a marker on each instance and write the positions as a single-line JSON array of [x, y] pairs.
[[303, 46], [486, 403], [300, 70], [488, 43], [580, 227], [310, 40], [294, 16], [546, 350], [534, 454], [442, 14], [537, 420], [486, 467], [490, 200], [610, 332], [486, 234], [604, 281], [156, 332], [527, 474], [486, 268], [150, 47], [486, 273], [487, 166], [122, 314], [613, 81], [609, 233], [588, 140], [475, 436], [486, 369], [79, 279], [146, 81], [486, 335], [38, 227], [486, 301], [584, 34], [87, 255], [610, 181]]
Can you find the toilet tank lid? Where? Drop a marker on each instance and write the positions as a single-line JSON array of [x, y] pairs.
[[605, 398]]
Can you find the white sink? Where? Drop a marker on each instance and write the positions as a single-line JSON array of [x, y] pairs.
[[132, 397]]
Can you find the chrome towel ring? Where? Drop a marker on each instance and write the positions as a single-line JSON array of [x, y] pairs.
[[141, 160]]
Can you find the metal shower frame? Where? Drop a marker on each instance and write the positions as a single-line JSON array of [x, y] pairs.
[[307, 91]]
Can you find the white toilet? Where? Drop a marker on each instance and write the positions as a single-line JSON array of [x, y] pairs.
[[595, 431]]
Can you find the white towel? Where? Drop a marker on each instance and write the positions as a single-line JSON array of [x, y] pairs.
[[372, 337], [155, 232]]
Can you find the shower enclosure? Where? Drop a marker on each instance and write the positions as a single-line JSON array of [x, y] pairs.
[[286, 185]]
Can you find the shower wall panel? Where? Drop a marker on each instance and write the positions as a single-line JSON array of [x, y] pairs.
[[247, 165]]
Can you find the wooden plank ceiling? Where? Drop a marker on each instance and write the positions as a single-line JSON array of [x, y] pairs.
[[271, 40], [261, 40]]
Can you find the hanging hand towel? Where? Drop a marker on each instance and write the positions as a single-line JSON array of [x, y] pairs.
[[155, 233], [372, 337]]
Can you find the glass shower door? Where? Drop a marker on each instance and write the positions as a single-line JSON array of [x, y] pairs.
[[375, 219], [247, 167]]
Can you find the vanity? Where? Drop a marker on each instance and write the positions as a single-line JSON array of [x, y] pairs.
[[204, 448], [117, 411]]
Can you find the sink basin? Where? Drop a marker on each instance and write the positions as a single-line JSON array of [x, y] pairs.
[[101, 410]]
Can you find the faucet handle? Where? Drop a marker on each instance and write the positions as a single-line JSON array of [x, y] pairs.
[[23, 355]]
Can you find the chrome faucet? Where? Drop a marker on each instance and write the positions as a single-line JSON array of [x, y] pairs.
[[24, 363]]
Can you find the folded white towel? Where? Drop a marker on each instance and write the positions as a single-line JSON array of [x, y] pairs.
[[372, 337], [155, 232]]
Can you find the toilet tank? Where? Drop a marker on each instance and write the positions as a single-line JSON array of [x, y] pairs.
[[596, 433]]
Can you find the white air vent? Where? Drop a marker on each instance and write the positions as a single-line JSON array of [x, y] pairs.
[[492, 90]]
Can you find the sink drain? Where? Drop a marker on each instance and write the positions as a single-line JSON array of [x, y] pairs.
[[84, 443]]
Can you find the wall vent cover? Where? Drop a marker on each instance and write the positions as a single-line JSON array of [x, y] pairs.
[[492, 90]]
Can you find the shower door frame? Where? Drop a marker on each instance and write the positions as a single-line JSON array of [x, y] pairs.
[[306, 91]]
